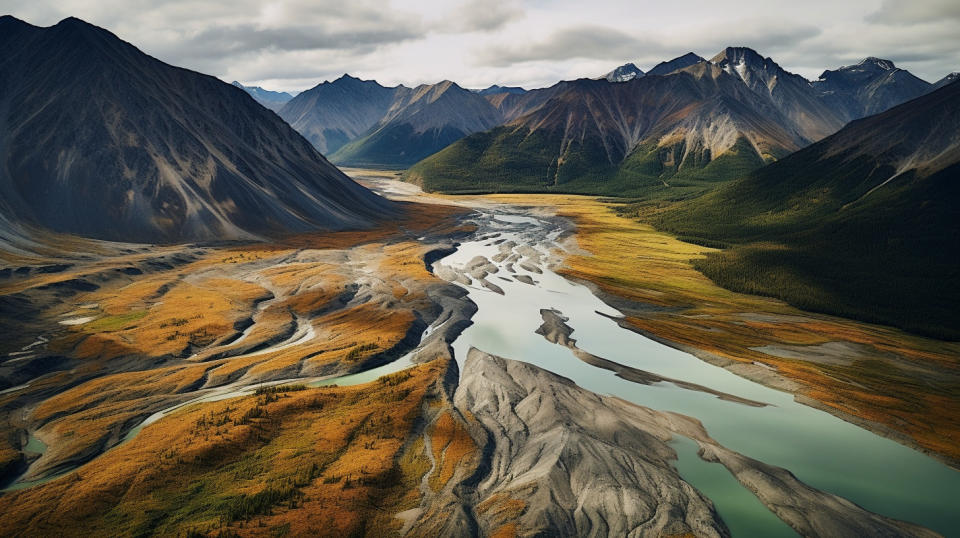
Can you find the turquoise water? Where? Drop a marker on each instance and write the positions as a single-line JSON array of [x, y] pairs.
[[744, 514], [820, 449]]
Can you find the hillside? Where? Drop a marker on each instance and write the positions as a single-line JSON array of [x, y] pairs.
[[861, 224], [103, 141]]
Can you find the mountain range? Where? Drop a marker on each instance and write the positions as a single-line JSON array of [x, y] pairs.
[[98, 139], [270, 99], [496, 88], [360, 122], [729, 115], [678, 130]]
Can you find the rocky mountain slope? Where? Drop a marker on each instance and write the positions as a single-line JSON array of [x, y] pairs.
[[789, 93], [270, 99], [868, 88], [104, 141], [863, 222]]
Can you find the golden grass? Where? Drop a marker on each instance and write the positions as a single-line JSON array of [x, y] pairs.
[[165, 317], [140, 319], [326, 461], [451, 444]]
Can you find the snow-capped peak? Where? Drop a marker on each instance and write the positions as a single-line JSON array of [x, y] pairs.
[[624, 73]]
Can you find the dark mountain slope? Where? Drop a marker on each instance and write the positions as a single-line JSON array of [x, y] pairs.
[[863, 223], [99, 139], [870, 87]]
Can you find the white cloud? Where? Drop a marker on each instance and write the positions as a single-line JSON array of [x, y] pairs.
[[293, 44]]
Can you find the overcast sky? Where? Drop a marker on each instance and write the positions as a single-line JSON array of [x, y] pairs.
[[295, 44]]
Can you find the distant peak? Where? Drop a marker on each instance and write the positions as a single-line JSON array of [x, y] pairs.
[[237, 84], [680, 62], [738, 53], [347, 76], [624, 73], [886, 65], [444, 85]]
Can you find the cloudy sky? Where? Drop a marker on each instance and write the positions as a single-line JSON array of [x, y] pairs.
[[294, 44]]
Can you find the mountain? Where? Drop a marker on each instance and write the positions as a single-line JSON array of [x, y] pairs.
[[952, 77], [419, 122], [862, 224], [360, 122], [270, 99], [678, 134], [624, 73], [333, 113], [790, 94], [869, 87], [663, 136], [496, 89], [680, 62], [98, 139]]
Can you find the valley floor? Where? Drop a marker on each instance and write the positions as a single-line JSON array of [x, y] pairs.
[[200, 390], [894, 383]]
